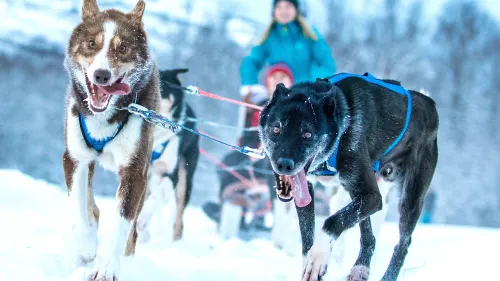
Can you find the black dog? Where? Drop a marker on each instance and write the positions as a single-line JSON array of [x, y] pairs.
[[361, 128], [178, 153]]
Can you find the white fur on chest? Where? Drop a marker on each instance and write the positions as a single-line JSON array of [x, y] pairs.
[[117, 152], [120, 150]]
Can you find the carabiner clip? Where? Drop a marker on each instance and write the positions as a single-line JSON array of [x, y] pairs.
[[194, 90], [252, 152], [137, 109]]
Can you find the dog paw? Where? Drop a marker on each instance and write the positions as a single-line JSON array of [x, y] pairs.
[[316, 264], [84, 243], [315, 269], [105, 271], [359, 273]]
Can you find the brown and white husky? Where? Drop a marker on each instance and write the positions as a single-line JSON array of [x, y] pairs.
[[109, 66]]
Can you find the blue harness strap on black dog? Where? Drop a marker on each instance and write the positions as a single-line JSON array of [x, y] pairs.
[[156, 155], [331, 162], [96, 144]]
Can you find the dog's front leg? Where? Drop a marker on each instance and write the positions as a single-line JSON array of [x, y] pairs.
[[366, 200], [307, 225], [122, 235], [84, 212]]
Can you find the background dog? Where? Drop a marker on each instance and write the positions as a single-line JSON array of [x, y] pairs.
[[362, 120], [174, 161], [109, 66]]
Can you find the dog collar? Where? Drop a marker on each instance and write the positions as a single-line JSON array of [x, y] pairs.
[[97, 144]]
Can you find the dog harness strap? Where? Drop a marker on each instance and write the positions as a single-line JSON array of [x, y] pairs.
[[157, 154], [376, 164], [369, 78], [331, 163], [97, 144]]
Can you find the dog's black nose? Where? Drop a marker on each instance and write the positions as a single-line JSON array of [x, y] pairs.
[[285, 165], [102, 76]]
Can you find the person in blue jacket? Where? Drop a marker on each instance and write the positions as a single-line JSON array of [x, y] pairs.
[[288, 40]]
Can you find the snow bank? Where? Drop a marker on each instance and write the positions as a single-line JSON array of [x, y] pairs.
[[34, 246]]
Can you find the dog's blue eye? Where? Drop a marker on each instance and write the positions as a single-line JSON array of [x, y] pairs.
[[307, 135], [92, 44]]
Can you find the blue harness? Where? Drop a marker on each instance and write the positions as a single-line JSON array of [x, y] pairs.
[[331, 163], [97, 144], [156, 154]]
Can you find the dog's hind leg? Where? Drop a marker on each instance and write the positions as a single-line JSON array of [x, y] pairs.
[[418, 176], [180, 196], [84, 212], [187, 167]]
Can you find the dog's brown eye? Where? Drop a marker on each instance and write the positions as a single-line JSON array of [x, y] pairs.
[[307, 135], [276, 130], [91, 44], [123, 49]]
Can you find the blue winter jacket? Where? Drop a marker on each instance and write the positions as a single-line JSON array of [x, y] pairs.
[[287, 44]]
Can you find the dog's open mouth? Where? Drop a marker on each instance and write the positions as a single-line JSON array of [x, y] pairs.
[[100, 95], [294, 187]]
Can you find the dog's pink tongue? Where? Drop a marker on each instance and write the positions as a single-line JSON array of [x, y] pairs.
[[300, 190], [115, 89]]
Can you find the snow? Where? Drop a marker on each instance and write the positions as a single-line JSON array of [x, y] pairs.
[[35, 246]]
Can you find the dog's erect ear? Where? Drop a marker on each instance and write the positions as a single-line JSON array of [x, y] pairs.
[[138, 11], [328, 101], [177, 71], [89, 9], [180, 70], [281, 90], [171, 75]]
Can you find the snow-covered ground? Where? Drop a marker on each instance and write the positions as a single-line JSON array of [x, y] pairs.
[[33, 246]]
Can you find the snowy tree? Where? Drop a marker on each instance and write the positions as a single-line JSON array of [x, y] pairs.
[[465, 42], [463, 35]]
